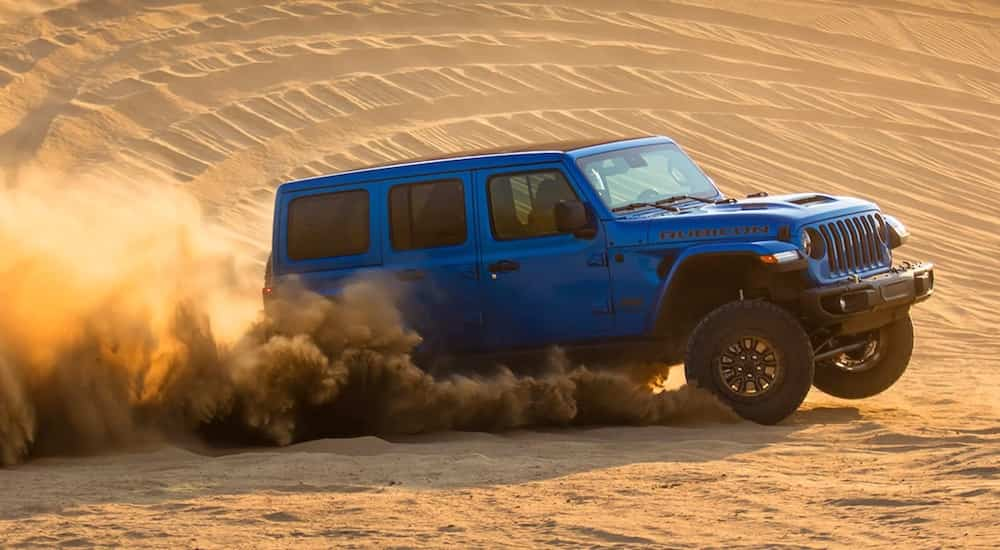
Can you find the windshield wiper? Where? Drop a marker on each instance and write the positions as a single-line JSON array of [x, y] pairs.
[[678, 198], [634, 205]]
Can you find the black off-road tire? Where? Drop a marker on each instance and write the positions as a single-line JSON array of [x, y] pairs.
[[896, 338], [753, 319]]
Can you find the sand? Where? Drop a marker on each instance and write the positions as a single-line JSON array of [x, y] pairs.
[[897, 101]]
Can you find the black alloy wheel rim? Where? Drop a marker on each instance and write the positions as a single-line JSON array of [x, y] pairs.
[[865, 358], [748, 367]]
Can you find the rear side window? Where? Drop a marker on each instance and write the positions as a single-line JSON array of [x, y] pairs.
[[328, 225], [427, 215], [523, 205]]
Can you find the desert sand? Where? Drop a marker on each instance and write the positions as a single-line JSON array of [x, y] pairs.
[[897, 101]]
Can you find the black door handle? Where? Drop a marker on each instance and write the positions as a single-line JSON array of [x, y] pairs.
[[503, 266], [410, 275]]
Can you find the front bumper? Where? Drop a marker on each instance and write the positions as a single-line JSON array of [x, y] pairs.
[[869, 301]]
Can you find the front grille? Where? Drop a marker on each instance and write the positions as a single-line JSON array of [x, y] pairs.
[[855, 244]]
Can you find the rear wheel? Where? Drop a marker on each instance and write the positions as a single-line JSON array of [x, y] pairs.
[[753, 355], [873, 367]]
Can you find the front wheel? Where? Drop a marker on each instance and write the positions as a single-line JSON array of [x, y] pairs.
[[753, 355], [878, 362]]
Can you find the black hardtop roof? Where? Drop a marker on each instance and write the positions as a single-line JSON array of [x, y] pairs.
[[556, 146], [470, 159]]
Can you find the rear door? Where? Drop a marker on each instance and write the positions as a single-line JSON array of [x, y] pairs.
[[540, 287], [327, 236], [430, 249]]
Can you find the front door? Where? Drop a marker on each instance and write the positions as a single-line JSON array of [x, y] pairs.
[[540, 287], [431, 251]]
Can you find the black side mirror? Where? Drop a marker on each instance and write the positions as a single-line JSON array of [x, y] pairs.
[[574, 217]]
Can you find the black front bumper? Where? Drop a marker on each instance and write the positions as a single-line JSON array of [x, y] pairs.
[[867, 303]]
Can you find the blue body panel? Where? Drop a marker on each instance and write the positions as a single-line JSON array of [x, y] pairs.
[[440, 295], [538, 304], [605, 287]]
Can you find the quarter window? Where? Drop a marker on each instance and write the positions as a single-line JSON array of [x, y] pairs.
[[427, 215], [523, 205], [328, 225]]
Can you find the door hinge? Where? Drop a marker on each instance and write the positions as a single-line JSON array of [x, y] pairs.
[[598, 260]]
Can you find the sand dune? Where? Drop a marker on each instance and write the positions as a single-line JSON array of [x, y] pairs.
[[896, 100]]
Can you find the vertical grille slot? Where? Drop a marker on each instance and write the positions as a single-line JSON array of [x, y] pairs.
[[836, 249], [831, 252], [845, 235], [872, 233], [866, 253], [853, 244]]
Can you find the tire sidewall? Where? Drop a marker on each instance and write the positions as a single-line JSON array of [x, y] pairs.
[[764, 320]]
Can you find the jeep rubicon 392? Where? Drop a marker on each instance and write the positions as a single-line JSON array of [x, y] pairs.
[[623, 248]]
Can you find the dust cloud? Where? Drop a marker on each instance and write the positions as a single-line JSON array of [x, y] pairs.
[[128, 318]]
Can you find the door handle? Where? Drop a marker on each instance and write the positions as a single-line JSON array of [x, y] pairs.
[[410, 275], [503, 266]]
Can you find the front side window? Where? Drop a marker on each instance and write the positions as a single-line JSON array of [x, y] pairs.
[[523, 205], [427, 215], [328, 225], [645, 174]]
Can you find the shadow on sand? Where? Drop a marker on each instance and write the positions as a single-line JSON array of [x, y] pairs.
[[172, 475]]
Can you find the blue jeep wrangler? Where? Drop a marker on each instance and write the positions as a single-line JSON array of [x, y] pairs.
[[621, 249]]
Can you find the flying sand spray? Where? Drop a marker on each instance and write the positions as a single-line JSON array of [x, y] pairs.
[[127, 317]]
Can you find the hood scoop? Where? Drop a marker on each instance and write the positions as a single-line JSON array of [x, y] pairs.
[[802, 200], [810, 200]]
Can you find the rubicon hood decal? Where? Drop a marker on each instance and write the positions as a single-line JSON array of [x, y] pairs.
[[714, 232]]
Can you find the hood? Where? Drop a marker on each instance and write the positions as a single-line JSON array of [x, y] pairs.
[[760, 218]]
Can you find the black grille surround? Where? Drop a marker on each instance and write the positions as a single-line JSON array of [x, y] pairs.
[[855, 244]]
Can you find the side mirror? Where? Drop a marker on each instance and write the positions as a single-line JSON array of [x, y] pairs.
[[574, 217]]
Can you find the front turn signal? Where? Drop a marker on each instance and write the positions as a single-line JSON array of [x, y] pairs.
[[780, 257]]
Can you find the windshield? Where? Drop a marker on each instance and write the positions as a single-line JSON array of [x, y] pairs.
[[645, 175]]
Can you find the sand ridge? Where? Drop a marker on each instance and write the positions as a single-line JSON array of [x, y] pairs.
[[896, 101]]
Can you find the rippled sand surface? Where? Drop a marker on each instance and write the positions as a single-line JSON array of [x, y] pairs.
[[897, 101]]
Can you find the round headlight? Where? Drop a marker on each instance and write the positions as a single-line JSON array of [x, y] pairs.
[[898, 233], [812, 244]]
